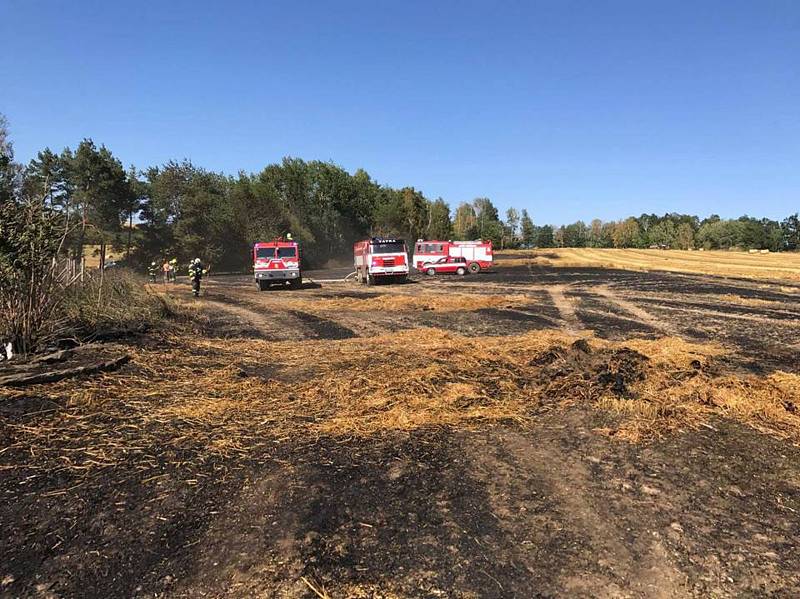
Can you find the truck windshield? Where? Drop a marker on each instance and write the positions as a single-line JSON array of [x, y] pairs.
[[287, 253], [394, 247], [265, 252]]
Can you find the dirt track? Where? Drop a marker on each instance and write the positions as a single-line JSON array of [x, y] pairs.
[[761, 319], [500, 511]]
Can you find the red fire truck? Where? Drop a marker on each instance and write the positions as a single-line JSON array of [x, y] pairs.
[[277, 261], [478, 254], [380, 259]]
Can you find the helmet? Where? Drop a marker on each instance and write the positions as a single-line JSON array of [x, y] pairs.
[[196, 260], [173, 261], [153, 263]]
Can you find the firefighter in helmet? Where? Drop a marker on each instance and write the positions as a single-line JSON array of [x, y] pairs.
[[152, 270], [196, 273]]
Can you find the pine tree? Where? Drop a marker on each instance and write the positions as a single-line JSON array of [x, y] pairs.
[[528, 230]]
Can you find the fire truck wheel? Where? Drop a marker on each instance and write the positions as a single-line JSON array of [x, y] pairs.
[[461, 271], [263, 286], [474, 267], [296, 283], [431, 271]]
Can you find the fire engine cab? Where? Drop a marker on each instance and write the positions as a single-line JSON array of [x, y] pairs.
[[478, 254], [277, 262], [380, 259]]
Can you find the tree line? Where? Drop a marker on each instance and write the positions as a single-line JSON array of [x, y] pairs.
[[182, 210], [671, 231]]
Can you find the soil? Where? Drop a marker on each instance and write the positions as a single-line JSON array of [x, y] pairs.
[[547, 510], [322, 328]]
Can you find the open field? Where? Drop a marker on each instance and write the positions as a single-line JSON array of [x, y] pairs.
[[92, 255], [784, 265], [533, 431]]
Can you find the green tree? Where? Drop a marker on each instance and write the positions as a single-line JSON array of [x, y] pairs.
[[415, 213], [186, 214], [576, 235], [773, 235], [258, 214], [662, 233], [790, 230], [485, 213], [488, 220], [646, 222], [9, 170], [388, 217], [684, 237], [558, 237], [544, 237], [465, 222], [101, 191], [137, 193], [439, 224], [751, 234], [528, 230], [595, 233], [627, 234], [47, 176], [511, 229], [203, 230], [401, 213], [607, 234], [715, 233]]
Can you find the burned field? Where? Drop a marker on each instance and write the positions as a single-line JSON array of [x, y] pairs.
[[528, 432]]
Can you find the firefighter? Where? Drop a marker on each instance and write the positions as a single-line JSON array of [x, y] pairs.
[[152, 270], [173, 269], [196, 272]]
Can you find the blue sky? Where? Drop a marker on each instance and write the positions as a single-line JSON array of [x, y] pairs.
[[569, 109]]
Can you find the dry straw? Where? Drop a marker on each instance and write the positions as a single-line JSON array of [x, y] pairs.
[[204, 398], [398, 302]]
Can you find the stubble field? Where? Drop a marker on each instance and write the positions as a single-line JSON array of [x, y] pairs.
[[784, 265], [533, 431]]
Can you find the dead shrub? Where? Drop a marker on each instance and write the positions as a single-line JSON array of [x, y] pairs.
[[118, 303], [32, 280]]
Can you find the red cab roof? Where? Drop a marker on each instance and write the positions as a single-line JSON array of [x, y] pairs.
[[277, 243]]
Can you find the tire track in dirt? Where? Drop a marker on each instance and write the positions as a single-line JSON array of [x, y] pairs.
[[570, 502], [323, 328], [566, 308], [643, 315], [274, 328], [726, 307], [718, 314], [292, 325]]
